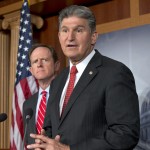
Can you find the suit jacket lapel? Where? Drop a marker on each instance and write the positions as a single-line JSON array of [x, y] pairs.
[[89, 73], [58, 92]]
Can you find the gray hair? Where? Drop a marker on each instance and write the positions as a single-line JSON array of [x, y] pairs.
[[78, 11]]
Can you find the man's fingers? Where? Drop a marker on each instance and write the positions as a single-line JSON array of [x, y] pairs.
[[43, 132], [33, 135], [37, 146], [38, 141], [57, 138], [34, 146], [37, 149], [41, 138]]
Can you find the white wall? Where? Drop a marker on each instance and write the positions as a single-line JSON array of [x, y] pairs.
[[132, 47]]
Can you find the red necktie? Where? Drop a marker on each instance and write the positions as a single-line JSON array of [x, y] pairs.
[[41, 113], [70, 86]]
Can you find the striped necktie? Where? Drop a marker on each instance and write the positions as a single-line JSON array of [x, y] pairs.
[[41, 112], [70, 86]]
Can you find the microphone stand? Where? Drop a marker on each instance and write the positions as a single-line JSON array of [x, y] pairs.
[[26, 126]]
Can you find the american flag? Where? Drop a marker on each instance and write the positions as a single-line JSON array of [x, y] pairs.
[[25, 83]]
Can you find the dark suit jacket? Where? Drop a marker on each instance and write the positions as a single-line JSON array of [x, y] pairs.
[[103, 110], [31, 126]]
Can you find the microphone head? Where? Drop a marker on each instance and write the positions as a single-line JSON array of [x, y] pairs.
[[3, 117], [28, 113]]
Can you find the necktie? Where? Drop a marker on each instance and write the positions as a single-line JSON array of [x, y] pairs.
[[70, 86], [41, 113]]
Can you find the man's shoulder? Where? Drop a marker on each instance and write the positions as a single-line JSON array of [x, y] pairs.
[[62, 74], [31, 99], [110, 64]]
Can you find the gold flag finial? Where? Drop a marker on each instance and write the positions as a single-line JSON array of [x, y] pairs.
[[28, 2]]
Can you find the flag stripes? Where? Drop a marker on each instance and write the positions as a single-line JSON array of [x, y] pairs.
[[25, 84]]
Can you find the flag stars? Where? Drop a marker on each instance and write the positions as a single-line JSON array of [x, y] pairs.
[[18, 54], [27, 68], [19, 73], [24, 30], [23, 56], [23, 12], [22, 38], [25, 4], [26, 22], [28, 15], [20, 46], [26, 49], [25, 41], [28, 41], [21, 65]]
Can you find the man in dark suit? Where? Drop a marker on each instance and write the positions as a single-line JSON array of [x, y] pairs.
[[102, 112], [44, 67]]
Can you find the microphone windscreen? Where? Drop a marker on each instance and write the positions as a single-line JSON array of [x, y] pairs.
[[28, 113], [3, 117]]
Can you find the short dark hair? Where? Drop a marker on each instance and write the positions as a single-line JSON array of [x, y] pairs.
[[78, 11], [51, 49]]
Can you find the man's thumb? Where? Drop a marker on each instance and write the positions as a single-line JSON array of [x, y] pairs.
[[43, 132], [57, 138]]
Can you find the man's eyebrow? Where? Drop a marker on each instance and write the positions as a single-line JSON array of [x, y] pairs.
[[78, 26]]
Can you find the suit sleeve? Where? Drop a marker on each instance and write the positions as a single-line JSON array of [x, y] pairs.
[[122, 115], [47, 125]]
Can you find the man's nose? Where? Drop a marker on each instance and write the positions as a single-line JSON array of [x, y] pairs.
[[71, 36], [39, 63]]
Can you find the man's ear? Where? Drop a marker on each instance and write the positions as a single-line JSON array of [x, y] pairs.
[[30, 69], [58, 34], [94, 38], [57, 66]]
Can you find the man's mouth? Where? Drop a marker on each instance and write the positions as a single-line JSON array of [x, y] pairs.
[[71, 45]]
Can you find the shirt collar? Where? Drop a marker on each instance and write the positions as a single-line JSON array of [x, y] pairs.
[[47, 89], [82, 65]]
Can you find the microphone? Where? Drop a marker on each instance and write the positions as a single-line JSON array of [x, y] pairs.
[[3, 117], [28, 115]]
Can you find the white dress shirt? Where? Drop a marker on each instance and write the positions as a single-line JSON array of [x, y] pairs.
[[80, 67], [40, 97]]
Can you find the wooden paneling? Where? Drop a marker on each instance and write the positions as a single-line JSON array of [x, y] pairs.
[[4, 87], [6, 2], [144, 6], [13, 5], [135, 19], [49, 35], [111, 11], [52, 7]]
